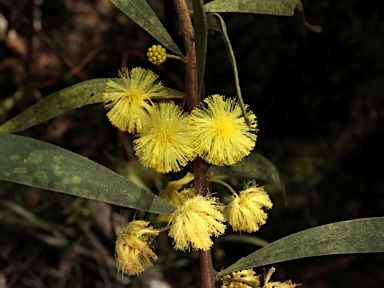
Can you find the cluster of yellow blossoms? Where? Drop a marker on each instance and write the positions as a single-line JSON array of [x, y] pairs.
[[167, 139], [247, 278], [194, 222]]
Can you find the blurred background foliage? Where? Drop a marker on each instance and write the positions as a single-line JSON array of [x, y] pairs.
[[319, 102]]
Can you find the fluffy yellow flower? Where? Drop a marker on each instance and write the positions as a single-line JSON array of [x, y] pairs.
[[245, 212], [194, 222], [240, 279], [164, 144], [129, 100], [132, 252], [273, 284], [172, 193], [219, 132]]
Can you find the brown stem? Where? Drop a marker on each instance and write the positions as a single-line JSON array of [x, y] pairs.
[[208, 273], [191, 91], [187, 32]]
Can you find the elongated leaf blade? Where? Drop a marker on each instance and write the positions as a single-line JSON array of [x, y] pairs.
[[347, 237], [73, 97], [254, 166], [201, 35], [267, 7], [142, 14], [38, 164]]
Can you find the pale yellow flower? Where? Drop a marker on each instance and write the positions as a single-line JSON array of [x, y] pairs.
[[194, 222], [176, 193], [164, 143], [240, 279], [132, 252], [219, 132], [246, 211], [276, 284], [129, 100]]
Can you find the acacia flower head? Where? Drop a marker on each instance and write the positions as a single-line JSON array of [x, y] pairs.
[[164, 144], [132, 252], [194, 222], [241, 279], [276, 284], [246, 211], [129, 100], [156, 54], [174, 193], [219, 131]]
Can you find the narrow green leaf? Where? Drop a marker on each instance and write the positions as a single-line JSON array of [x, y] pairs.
[[216, 23], [254, 166], [38, 164], [142, 14], [268, 7], [347, 237], [73, 97], [201, 35]]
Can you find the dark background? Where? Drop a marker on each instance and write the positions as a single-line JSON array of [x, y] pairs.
[[318, 99]]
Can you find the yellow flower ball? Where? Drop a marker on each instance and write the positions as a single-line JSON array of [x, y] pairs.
[[246, 211], [194, 222], [129, 99], [156, 54], [132, 252], [219, 132], [240, 279], [164, 144], [176, 193], [277, 284]]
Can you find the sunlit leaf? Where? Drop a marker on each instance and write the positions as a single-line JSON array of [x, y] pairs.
[[201, 35], [268, 7], [142, 14], [254, 166], [38, 164], [73, 97], [347, 237]]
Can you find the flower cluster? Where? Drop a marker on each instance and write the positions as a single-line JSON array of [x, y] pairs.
[[277, 284], [241, 279], [132, 252], [245, 212], [163, 143], [129, 99], [247, 278], [219, 132], [156, 54], [194, 222], [168, 138]]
